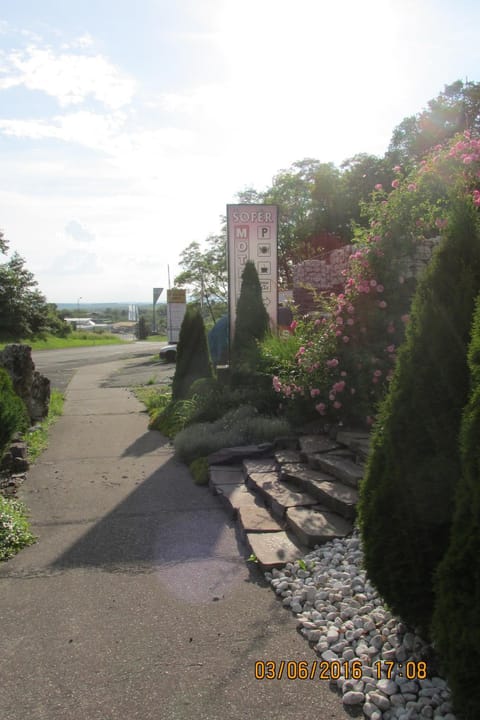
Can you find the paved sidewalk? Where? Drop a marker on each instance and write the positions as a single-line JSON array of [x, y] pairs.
[[136, 602]]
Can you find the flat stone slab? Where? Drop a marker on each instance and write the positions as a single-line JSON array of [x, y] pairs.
[[273, 549], [316, 525], [317, 444], [237, 454], [359, 442], [257, 519], [261, 465], [278, 494], [287, 456], [233, 497], [225, 475], [338, 497], [343, 469]]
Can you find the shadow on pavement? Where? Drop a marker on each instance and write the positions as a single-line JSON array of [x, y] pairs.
[[167, 522], [149, 442]]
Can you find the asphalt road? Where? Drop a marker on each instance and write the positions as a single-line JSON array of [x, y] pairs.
[[60, 365]]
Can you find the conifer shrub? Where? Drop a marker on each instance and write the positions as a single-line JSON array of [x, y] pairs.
[[408, 491], [193, 360], [456, 620], [13, 413], [251, 326]]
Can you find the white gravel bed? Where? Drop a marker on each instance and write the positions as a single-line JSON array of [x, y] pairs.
[[369, 654]]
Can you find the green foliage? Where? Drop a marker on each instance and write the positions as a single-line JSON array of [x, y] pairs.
[[456, 625], [345, 361], [251, 325], [37, 438], [193, 360], [205, 272], [172, 418], [199, 471], [241, 426], [408, 490], [14, 529], [454, 110], [23, 309], [13, 413]]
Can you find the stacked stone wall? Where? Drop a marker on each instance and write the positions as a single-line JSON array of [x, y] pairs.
[[316, 275]]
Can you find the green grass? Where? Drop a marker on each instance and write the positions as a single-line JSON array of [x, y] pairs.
[[75, 339], [37, 439], [14, 529], [156, 338], [154, 398]]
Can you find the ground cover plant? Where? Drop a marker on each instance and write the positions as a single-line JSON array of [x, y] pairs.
[[241, 426], [14, 529]]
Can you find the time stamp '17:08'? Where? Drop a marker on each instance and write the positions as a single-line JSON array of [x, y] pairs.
[[336, 669]]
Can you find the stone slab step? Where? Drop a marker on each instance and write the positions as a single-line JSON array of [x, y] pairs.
[[234, 455], [233, 497], [259, 466], [278, 495], [256, 519], [316, 444], [274, 550], [287, 456], [225, 475], [337, 496], [316, 525], [359, 442], [344, 469]]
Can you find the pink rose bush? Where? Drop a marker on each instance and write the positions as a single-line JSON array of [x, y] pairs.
[[345, 357]]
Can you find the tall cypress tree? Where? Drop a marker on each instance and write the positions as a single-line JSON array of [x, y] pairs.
[[193, 359], [456, 621], [408, 492], [251, 325]]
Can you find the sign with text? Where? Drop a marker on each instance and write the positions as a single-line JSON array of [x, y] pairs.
[[252, 235], [176, 306]]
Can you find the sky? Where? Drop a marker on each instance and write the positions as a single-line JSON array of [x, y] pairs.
[[126, 127]]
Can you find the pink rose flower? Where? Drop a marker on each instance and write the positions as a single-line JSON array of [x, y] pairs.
[[337, 405], [321, 408], [395, 184], [314, 392]]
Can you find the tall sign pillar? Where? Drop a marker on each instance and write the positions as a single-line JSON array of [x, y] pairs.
[[252, 235]]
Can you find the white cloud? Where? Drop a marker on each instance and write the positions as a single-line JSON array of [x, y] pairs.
[[70, 78], [79, 232]]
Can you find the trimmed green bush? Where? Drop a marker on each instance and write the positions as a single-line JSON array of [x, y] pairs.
[[193, 360], [251, 325], [408, 491], [456, 621], [13, 413]]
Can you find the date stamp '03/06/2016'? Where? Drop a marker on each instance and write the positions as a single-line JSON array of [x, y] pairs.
[[335, 669]]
